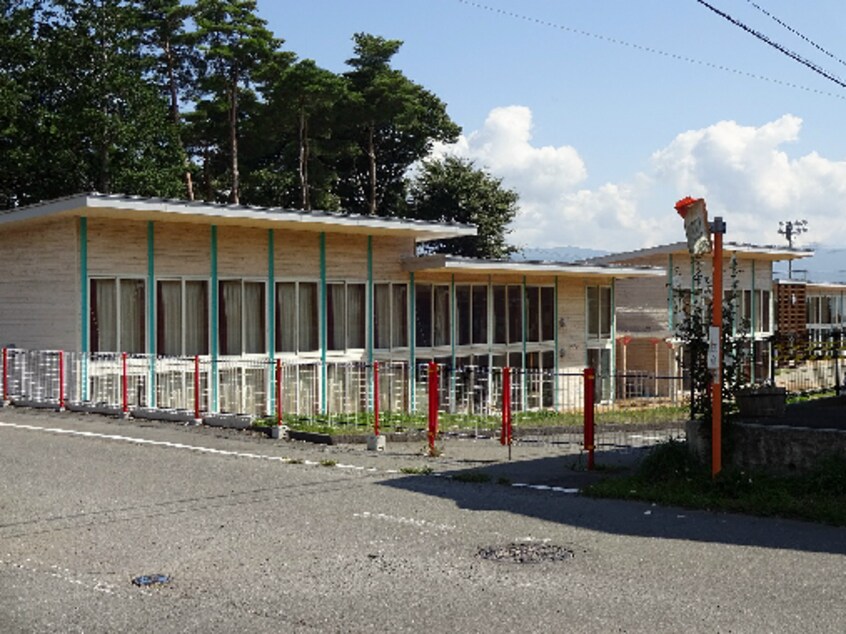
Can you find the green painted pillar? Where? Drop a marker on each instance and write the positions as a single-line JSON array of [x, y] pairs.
[[84, 302], [324, 327], [151, 311], [215, 323]]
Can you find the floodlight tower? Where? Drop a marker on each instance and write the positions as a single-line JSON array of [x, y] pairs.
[[790, 229]]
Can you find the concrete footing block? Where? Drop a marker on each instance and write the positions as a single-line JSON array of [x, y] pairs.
[[376, 443]]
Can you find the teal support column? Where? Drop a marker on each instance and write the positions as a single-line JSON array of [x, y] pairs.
[[215, 322], [556, 387], [324, 327], [271, 320], [453, 333], [524, 305], [83, 302], [613, 368], [151, 311], [371, 329], [671, 314], [412, 336]]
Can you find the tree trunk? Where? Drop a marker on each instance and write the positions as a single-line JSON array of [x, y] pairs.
[[371, 157], [235, 194], [174, 113], [303, 167]]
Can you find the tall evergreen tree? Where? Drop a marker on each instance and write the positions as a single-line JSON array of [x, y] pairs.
[[453, 189], [393, 123], [234, 43]]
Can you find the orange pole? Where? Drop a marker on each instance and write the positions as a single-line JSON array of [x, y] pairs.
[[589, 420], [717, 319]]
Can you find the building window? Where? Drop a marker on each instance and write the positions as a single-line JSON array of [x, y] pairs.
[[345, 315], [241, 317], [599, 312], [297, 317], [480, 315], [423, 315], [118, 315], [182, 317]]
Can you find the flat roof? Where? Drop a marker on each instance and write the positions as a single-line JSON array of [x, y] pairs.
[[757, 252], [454, 264], [95, 205], [814, 286]]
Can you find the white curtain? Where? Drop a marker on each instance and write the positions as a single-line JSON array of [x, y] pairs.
[[104, 316], [399, 314], [286, 317], [336, 317], [230, 317], [132, 317], [196, 317], [307, 322], [169, 318], [254, 318], [356, 294], [382, 316]]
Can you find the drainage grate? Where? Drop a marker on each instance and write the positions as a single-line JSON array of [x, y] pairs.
[[526, 553]]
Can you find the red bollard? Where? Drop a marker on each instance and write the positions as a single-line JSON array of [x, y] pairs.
[[375, 398], [196, 388], [278, 392], [505, 434], [433, 407], [61, 381], [590, 392], [124, 382]]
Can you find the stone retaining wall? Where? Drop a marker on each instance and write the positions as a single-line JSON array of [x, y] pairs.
[[777, 448]]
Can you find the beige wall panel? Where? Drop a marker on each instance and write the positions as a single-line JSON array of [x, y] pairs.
[[241, 252], [297, 255], [571, 335], [346, 257], [117, 247], [40, 290], [641, 305], [183, 249], [388, 253]]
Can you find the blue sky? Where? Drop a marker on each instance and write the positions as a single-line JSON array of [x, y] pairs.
[[589, 109]]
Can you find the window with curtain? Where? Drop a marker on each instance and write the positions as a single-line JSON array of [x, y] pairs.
[[442, 314], [480, 314], [229, 317], [254, 318], [196, 321], [307, 317], [336, 317], [286, 316], [356, 316], [533, 309], [599, 312], [500, 315], [118, 315], [382, 316], [169, 317], [399, 315], [423, 316], [463, 315], [547, 308], [515, 314]]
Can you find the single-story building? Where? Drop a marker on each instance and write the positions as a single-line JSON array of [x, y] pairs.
[[649, 310], [164, 280]]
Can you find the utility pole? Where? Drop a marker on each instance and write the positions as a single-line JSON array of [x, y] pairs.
[[789, 229]]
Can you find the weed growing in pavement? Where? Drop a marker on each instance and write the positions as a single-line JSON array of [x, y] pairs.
[[328, 463], [425, 470], [671, 475]]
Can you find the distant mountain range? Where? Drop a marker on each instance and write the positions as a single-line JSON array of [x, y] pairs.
[[827, 265]]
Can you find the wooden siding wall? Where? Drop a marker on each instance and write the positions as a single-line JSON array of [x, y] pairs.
[[642, 306], [572, 325], [791, 316], [39, 285]]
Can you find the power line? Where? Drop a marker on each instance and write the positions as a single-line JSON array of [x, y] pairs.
[[779, 47], [796, 33], [647, 49]]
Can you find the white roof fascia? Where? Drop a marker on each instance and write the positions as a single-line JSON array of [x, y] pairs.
[[773, 252], [424, 230], [445, 263]]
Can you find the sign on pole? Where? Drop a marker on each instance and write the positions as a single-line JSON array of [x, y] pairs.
[[696, 227]]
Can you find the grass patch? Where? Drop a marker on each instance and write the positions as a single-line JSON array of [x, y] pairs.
[[328, 463], [670, 475], [472, 476]]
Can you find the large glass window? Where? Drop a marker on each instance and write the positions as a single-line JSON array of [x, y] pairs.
[[599, 312], [182, 318], [423, 315], [515, 314], [500, 315], [296, 317], [480, 314], [117, 315], [442, 312], [382, 316], [463, 315], [241, 317], [399, 316]]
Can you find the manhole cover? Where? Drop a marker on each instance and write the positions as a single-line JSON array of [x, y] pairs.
[[525, 553]]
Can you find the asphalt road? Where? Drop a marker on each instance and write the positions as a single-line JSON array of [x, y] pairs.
[[266, 536]]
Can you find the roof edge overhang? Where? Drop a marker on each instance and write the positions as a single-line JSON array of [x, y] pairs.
[[760, 252], [120, 206], [441, 263]]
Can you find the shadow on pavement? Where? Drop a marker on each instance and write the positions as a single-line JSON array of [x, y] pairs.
[[629, 518]]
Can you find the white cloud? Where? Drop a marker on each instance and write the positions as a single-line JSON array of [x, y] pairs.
[[744, 172]]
